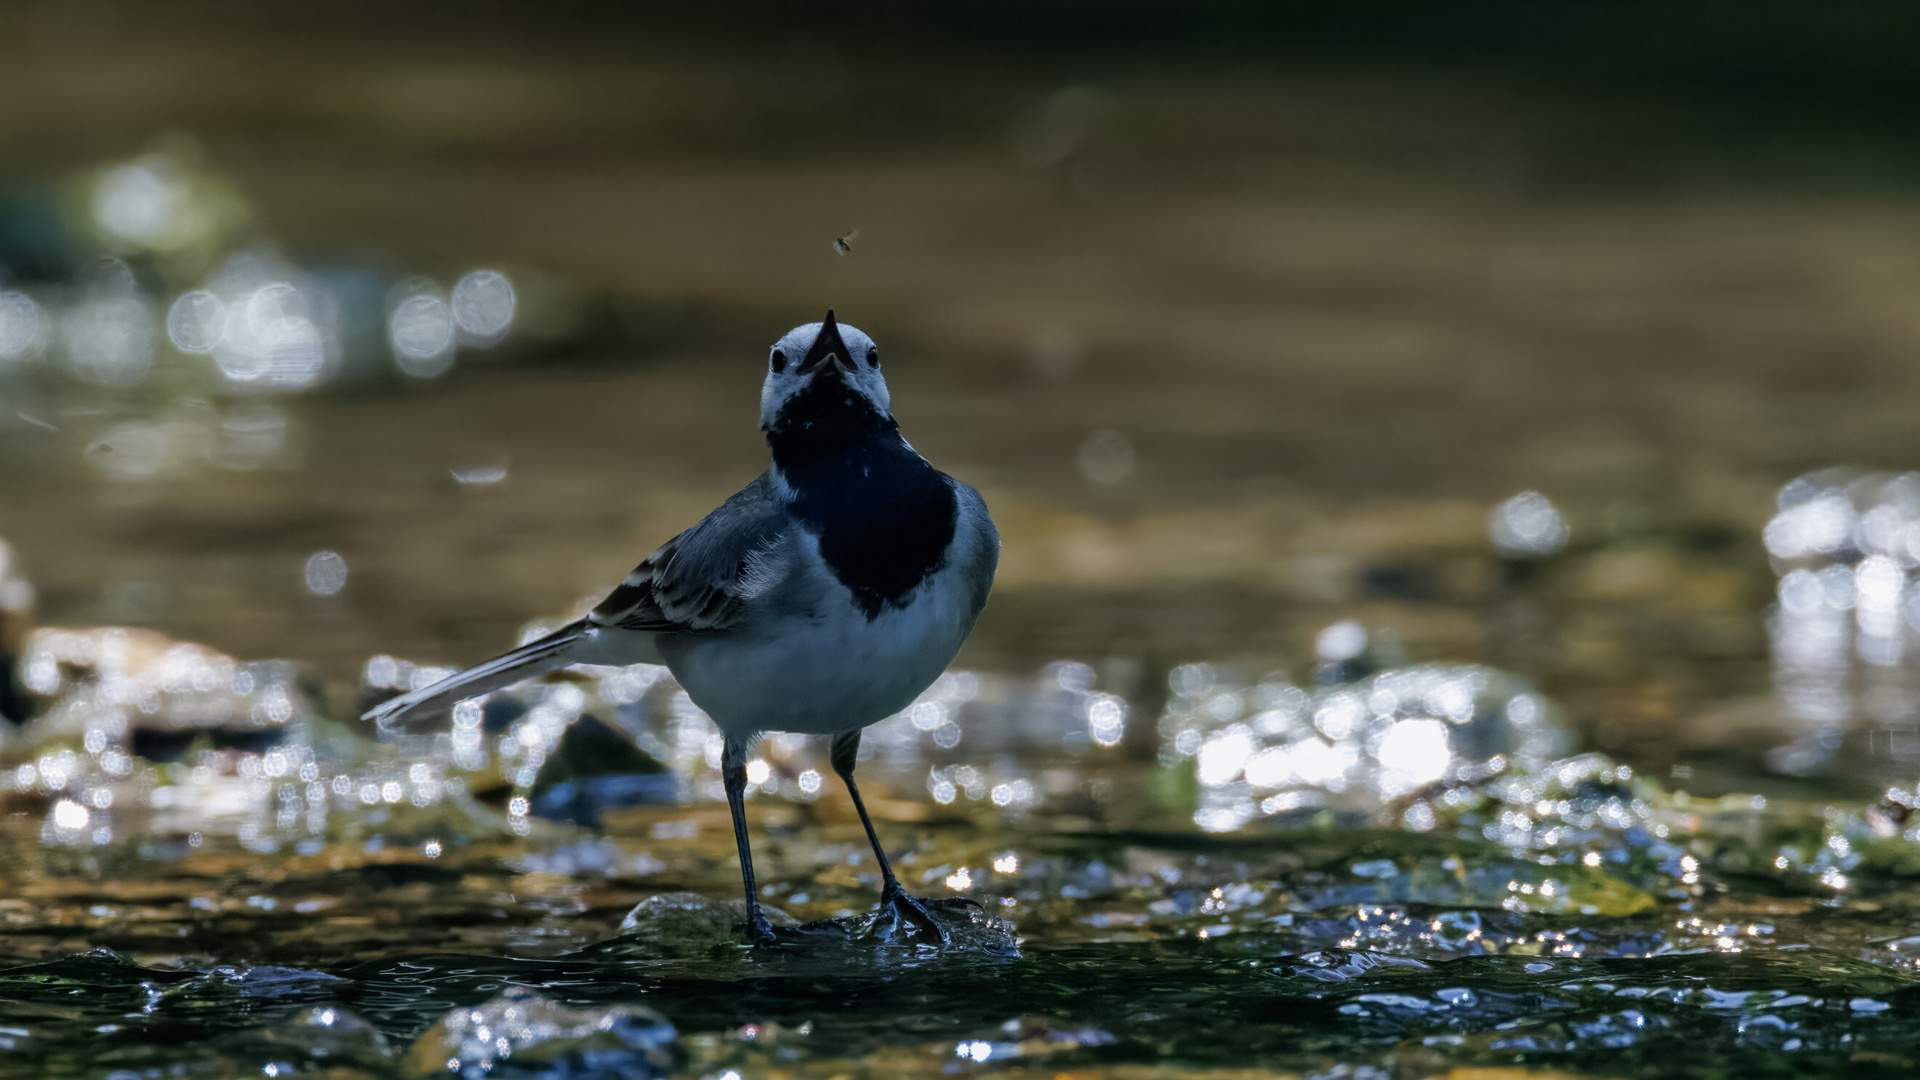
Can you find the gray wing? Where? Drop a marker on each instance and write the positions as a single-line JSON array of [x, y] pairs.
[[701, 579]]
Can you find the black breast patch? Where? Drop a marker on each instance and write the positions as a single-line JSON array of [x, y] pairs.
[[884, 517]]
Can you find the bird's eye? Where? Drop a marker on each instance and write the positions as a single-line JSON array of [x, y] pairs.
[[873, 357], [779, 361]]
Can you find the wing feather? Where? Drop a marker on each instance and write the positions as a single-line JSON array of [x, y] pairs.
[[701, 579]]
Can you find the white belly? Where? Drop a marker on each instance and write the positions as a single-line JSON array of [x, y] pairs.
[[825, 670]]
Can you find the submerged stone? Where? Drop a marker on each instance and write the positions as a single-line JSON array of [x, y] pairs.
[[1339, 965], [155, 694], [329, 1036], [524, 1035], [685, 923], [596, 768], [688, 924]]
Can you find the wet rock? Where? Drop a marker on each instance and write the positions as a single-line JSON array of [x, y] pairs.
[[243, 987], [521, 1034], [1339, 965], [140, 735], [155, 695], [271, 981], [111, 695], [595, 768], [329, 1036], [687, 924], [566, 746]]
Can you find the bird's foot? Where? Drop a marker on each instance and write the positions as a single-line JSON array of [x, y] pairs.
[[761, 931], [903, 916], [764, 933]]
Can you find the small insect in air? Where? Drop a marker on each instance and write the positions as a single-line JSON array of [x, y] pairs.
[[844, 244]]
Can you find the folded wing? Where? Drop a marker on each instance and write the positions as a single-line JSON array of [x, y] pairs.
[[702, 579]]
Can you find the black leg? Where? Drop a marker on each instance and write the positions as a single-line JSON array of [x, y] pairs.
[[906, 913], [733, 774], [846, 751]]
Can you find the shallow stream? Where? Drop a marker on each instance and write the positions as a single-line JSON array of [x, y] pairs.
[[1297, 884]]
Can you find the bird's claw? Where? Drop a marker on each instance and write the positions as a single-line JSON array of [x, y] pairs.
[[761, 931], [905, 915], [764, 933]]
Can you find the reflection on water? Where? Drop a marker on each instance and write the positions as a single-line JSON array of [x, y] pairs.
[[1527, 525], [1845, 544], [1357, 747], [185, 280]]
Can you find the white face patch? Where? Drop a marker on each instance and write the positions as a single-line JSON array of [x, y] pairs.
[[784, 378]]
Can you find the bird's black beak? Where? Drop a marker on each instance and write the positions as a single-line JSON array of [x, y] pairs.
[[827, 348]]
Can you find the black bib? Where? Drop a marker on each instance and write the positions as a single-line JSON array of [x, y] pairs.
[[884, 516]]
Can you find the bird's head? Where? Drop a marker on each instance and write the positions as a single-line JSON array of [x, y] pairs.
[[824, 377]]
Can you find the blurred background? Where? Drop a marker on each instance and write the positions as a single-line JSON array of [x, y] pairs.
[[1278, 337]]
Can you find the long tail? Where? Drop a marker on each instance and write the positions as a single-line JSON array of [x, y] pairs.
[[534, 658]]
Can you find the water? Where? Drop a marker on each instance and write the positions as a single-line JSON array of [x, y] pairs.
[[1503, 905], [1304, 951]]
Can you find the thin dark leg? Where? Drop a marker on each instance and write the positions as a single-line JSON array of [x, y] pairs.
[[733, 774], [846, 751], [906, 912]]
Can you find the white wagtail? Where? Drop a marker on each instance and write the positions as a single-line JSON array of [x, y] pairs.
[[823, 597]]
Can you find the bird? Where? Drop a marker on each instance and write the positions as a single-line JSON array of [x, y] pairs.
[[823, 597]]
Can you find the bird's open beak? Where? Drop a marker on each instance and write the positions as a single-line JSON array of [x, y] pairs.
[[828, 350]]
